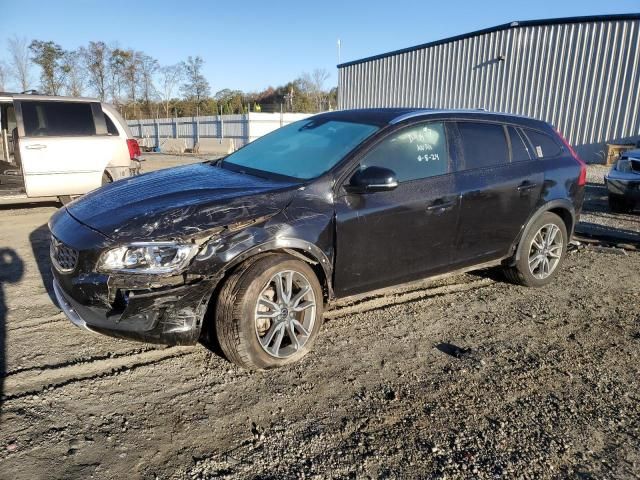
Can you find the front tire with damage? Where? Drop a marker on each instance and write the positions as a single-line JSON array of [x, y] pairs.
[[269, 312]]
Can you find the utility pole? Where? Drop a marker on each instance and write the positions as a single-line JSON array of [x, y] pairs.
[[339, 45]]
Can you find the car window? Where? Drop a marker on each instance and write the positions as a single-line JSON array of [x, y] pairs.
[[519, 150], [57, 119], [544, 146], [415, 152], [111, 127], [304, 149], [483, 144]]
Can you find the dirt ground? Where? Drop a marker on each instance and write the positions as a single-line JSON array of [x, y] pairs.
[[463, 377]]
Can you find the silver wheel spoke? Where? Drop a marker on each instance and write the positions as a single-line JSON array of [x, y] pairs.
[[273, 308], [303, 306], [534, 262], [275, 349], [300, 328], [292, 336], [275, 328], [296, 300], [279, 287], [555, 252]]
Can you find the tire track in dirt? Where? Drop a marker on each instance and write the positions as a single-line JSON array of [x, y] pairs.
[[28, 382], [369, 304]]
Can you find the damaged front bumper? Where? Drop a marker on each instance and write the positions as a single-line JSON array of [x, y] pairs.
[[624, 184], [169, 315]]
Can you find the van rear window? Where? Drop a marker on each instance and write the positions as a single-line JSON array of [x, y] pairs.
[[57, 119]]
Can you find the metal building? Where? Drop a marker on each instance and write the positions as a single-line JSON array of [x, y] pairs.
[[582, 74]]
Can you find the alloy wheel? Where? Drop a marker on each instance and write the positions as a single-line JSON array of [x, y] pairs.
[[285, 314], [545, 251]]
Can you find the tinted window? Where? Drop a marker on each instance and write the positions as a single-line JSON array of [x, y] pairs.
[[483, 144], [111, 128], [57, 119], [543, 144], [415, 152], [519, 150], [304, 149]]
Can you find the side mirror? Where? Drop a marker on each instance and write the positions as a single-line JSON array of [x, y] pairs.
[[372, 179]]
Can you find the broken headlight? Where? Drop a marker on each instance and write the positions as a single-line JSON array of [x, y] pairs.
[[147, 258]]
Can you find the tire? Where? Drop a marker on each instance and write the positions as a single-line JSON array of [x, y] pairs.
[[521, 273], [240, 330], [66, 199], [618, 204]]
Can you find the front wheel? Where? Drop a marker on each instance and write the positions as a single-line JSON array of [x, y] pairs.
[[269, 312], [542, 251]]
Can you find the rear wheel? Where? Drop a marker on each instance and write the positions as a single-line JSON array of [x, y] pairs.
[[269, 312], [618, 204], [542, 251], [65, 199]]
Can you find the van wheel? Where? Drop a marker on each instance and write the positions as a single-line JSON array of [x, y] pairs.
[[269, 312], [65, 199], [542, 252]]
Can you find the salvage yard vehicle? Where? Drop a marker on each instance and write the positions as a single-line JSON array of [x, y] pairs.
[[623, 182], [245, 252], [61, 147]]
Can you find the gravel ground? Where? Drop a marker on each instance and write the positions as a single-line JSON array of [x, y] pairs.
[[462, 377]]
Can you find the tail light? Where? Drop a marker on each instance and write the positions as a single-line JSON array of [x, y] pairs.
[[134, 149], [582, 179]]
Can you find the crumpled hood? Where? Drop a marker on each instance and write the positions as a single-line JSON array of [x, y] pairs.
[[179, 202]]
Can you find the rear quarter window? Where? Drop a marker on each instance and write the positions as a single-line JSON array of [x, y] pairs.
[[544, 146], [519, 149], [483, 144], [111, 127], [53, 119]]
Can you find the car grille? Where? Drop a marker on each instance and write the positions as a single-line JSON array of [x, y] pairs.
[[64, 258]]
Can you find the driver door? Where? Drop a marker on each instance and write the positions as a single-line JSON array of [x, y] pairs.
[[391, 237], [60, 145]]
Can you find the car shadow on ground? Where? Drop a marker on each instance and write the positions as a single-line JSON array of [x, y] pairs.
[[11, 271], [40, 240]]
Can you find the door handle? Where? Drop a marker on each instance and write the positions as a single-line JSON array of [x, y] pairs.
[[526, 186], [37, 146], [440, 205]]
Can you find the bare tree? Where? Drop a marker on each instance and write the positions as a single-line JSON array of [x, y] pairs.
[[170, 77], [118, 60], [96, 58], [76, 73], [148, 68], [313, 85], [50, 57], [196, 87], [20, 61], [3, 77]]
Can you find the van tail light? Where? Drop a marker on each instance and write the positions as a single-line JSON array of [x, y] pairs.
[[582, 179], [134, 149]]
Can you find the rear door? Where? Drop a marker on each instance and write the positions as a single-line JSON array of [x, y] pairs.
[[500, 184], [63, 146]]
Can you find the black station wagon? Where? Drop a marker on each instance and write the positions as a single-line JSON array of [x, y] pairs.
[[246, 252]]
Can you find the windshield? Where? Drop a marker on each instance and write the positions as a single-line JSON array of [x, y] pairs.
[[302, 150]]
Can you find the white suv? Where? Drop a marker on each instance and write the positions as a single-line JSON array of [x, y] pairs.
[[61, 147]]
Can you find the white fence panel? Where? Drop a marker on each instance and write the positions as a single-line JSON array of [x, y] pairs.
[[243, 128]]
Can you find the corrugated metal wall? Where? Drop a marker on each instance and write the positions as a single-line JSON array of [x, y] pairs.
[[584, 78]]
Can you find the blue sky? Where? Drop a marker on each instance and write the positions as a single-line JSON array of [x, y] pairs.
[[250, 44]]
